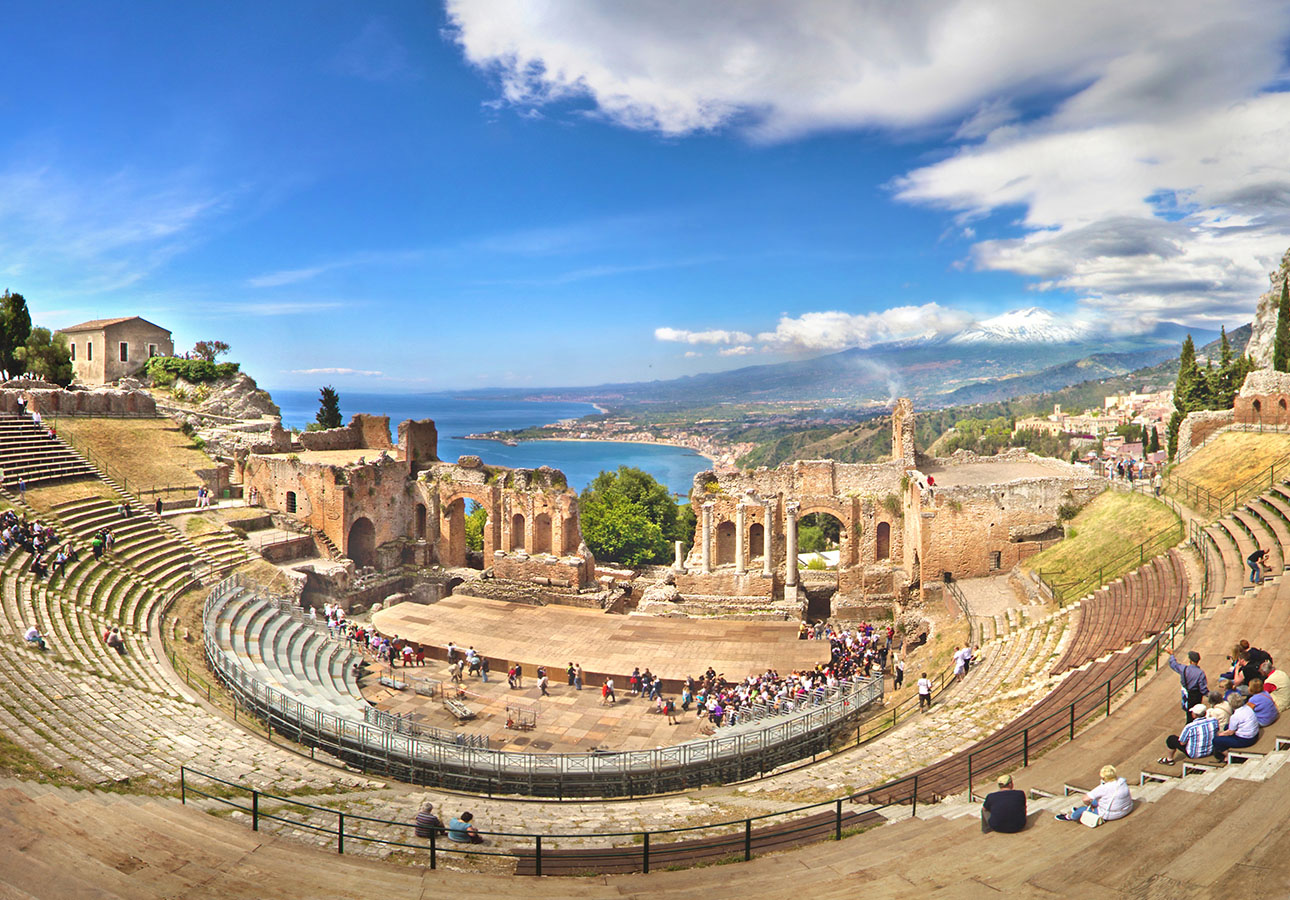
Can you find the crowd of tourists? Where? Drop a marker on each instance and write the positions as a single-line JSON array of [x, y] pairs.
[[49, 554]]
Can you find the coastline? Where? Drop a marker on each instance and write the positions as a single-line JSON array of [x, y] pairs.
[[596, 440]]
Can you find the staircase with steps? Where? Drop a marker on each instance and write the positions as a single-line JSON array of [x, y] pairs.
[[27, 451]]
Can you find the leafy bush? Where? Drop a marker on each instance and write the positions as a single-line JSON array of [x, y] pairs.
[[165, 369]]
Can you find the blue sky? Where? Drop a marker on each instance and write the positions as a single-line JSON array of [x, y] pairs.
[[412, 196]]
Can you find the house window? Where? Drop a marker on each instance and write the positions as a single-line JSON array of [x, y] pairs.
[[89, 351], [125, 352], [152, 350], [996, 560], [72, 347], [291, 501]]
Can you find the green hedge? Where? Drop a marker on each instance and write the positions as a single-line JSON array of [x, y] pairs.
[[165, 369]]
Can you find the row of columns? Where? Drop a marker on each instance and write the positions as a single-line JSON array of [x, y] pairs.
[[741, 567]]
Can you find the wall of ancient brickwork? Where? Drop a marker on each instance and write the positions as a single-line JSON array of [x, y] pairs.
[[1199, 427], [362, 432], [101, 402]]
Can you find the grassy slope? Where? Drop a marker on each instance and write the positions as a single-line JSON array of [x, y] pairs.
[[1231, 459], [147, 452], [1105, 531]]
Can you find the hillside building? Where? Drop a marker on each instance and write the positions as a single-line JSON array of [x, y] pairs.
[[104, 350]]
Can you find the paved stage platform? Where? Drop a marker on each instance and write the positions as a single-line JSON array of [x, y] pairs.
[[603, 644]]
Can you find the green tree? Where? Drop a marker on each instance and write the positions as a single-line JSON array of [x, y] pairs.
[[46, 356], [629, 518], [1153, 444], [1281, 344], [15, 328], [476, 519], [328, 408], [210, 350], [1175, 422]]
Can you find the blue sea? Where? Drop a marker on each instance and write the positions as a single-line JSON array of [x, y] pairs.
[[454, 416]]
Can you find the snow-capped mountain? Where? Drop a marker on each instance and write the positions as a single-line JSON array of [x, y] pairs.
[[1030, 326]]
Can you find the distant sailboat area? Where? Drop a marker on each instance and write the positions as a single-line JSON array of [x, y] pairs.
[[455, 416]]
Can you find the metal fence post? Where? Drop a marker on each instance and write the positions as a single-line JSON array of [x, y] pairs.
[[1072, 720], [747, 839], [969, 778], [537, 854], [837, 831], [645, 853], [1108, 697], [433, 850], [255, 810], [1025, 747], [340, 833]]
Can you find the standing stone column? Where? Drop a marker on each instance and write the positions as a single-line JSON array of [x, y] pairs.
[[739, 540], [767, 539], [707, 538], [790, 528], [679, 565]]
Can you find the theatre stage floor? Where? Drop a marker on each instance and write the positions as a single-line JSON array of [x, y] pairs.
[[554, 636]]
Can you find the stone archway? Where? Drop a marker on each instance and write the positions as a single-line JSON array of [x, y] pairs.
[[419, 514], [361, 545], [542, 533], [756, 540], [726, 538], [883, 541], [517, 531]]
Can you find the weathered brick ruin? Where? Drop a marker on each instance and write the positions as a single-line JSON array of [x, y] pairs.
[[384, 504], [899, 538]]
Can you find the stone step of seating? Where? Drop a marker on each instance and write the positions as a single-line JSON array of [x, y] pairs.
[[1275, 525], [1262, 535], [1232, 582]]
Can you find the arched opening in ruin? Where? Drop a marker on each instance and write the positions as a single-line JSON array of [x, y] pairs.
[[542, 533], [1281, 404], [361, 546], [756, 540], [1258, 407], [466, 526], [821, 533], [517, 532], [569, 535], [291, 501], [883, 540], [725, 543], [419, 514]]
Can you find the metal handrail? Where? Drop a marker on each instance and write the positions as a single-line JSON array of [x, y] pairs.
[[1036, 736], [1063, 591], [724, 757]]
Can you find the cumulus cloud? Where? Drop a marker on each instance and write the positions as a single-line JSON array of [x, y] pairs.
[[740, 350], [822, 331], [1144, 143], [714, 336]]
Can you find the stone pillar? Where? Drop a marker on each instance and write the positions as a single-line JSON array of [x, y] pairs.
[[790, 529], [767, 538], [707, 538], [739, 540], [679, 565]]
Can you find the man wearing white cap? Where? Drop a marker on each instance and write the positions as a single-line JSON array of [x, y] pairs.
[[1195, 740]]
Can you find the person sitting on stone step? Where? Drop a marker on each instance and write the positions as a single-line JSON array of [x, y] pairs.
[[1196, 740], [33, 636], [1219, 709], [1004, 810], [427, 823], [463, 831], [1241, 731], [1110, 800], [1265, 708]]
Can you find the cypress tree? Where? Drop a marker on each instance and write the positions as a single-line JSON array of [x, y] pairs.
[[1185, 387], [1281, 345], [328, 408]]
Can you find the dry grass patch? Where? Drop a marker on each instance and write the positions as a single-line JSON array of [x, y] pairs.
[[1102, 536], [148, 453], [1232, 459], [44, 498]]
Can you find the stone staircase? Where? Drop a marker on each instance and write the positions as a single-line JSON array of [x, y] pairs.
[[1262, 522], [28, 452]]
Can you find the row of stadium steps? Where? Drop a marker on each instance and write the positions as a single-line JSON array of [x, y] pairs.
[[1263, 522], [293, 654], [1130, 609], [27, 451]]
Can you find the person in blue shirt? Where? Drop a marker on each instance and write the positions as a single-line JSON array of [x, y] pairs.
[[1265, 708], [1192, 679], [463, 831], [1195, 740]]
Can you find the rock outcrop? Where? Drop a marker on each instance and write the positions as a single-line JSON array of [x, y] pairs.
[[1265, 318], [239, 398]]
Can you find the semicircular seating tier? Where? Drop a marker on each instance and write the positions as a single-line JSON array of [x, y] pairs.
[[1130, 609], [1263, 522], [293, 653]]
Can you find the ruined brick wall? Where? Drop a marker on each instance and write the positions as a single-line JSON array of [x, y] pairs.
[[418, 441], [1199, 427], [977, 530], [363, 432], [728, 584], [543, 570], [1264, 399], [100, 402], [903, 450]]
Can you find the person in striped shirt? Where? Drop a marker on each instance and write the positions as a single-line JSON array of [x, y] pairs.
[[1195, 740]]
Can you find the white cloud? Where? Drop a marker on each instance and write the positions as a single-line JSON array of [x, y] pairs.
[[339, 371], [835, 330], [692, 354], [740, 350], [782, 69], [714, 336], [306, 273]]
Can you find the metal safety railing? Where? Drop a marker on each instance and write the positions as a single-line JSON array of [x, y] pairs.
[[735, 839], [730, 755]]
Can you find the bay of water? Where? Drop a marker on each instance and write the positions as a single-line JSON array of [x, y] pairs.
[[454, 416]]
